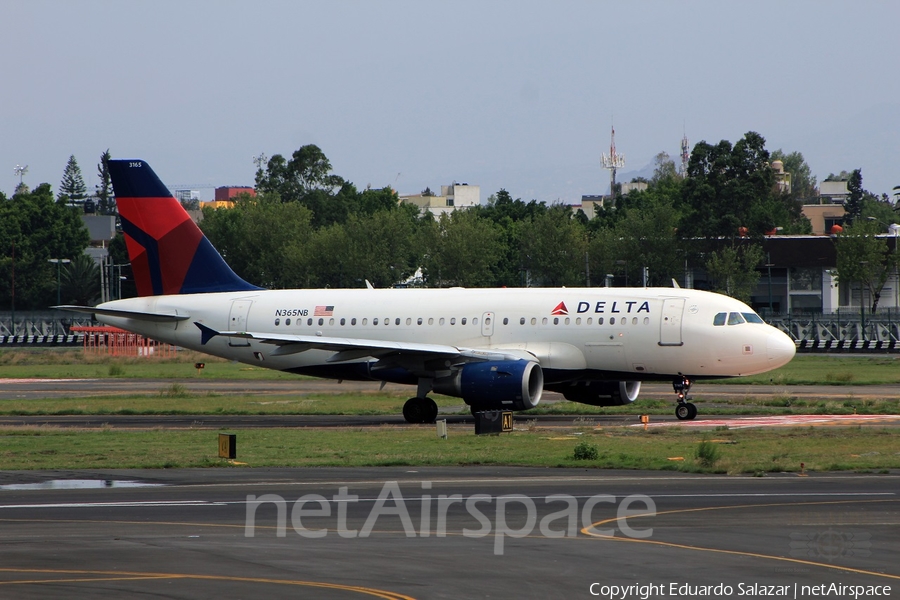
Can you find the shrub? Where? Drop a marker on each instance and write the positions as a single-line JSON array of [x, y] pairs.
[[708, 453], [585, 451]]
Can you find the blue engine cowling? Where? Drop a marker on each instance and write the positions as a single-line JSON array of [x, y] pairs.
[[510, 385]]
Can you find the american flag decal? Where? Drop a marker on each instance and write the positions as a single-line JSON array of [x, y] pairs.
[[323, 311]]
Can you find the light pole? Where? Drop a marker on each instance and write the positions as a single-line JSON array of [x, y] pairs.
[[59, 262], [769, 266]]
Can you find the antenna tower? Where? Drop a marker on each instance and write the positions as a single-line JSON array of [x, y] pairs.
[[20, 172], [612, 161], [685, 155]]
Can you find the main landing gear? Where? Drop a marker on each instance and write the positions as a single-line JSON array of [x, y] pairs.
[[420, 410], [685, 411]]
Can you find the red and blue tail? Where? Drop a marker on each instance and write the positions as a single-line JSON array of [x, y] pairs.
[[169, 254]]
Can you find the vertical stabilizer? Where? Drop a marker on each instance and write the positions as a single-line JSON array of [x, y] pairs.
[[169, 254]]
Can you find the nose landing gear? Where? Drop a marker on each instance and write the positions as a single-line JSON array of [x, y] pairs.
[[685, 411]]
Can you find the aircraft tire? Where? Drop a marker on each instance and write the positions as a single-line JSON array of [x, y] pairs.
[[692, 411], [431, 410], [420, 410], [683, 411]]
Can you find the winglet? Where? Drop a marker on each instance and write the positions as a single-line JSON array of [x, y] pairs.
[[206, 333]]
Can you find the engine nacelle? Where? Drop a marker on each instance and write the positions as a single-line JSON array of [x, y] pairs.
[[510, 385], [604, 393]]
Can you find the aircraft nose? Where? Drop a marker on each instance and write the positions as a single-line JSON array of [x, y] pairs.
[[780, 349]]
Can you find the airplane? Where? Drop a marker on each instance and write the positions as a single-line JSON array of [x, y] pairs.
[[497, 349]]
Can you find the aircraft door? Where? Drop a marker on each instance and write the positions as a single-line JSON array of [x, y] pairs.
[[670, 322], [237, 320], [487, 324]]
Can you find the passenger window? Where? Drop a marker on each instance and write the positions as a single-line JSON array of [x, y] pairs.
[[556, 320], [419, 321], [343, 322], [365, 322], [321, 322], [287, 321], [431, 320], [375, 321], [612, 320], [735, 319], [331, 321], [719, 319], [533, 321], [634, 320], [441, 321], [599, 320], [309, 322], [578, 320], [353, 321], [590, 320], [753, 318], [544, 321], [277, 322], [506, 320], [521, 320], [463, 322], [408, 321], [453, 320], [397, 321], [387, 320]]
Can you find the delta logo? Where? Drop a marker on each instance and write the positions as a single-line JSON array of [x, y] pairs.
[[603, 307], [560, 309]]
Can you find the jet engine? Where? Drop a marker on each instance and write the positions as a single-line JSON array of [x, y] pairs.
[[510, 385], [603, 393]]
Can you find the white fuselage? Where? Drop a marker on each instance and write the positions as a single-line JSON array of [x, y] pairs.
[[614, 333]]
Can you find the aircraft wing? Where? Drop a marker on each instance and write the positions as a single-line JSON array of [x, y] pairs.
[[355, 348]]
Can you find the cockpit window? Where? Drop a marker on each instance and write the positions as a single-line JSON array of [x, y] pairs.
[[719, 319], [753, 318], [735, 319]]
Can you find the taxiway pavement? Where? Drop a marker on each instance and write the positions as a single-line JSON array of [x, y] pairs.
[[187, 536]]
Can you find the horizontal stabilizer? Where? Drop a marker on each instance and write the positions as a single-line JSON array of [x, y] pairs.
[[157, 317]]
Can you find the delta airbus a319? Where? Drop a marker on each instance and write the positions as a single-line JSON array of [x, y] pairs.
[[494, 348]]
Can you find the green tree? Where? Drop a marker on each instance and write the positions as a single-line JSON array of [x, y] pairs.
[[306, 178], [864, 259], [733, 270], [72, 186], [264, 240], [105, 202], [40, 229], [80, 281], [461, 249], [803, 182], [553, 245], [664, 168], [856, 193], [730, 189]]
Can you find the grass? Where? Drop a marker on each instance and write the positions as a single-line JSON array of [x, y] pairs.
[[744, 451], [74, 363]]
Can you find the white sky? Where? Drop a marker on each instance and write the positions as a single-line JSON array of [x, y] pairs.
[[517, 94]]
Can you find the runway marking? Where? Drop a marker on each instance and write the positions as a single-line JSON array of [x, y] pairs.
[[100, 576], [586, 531], [148, 503], [776, 421], [41, 380]]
